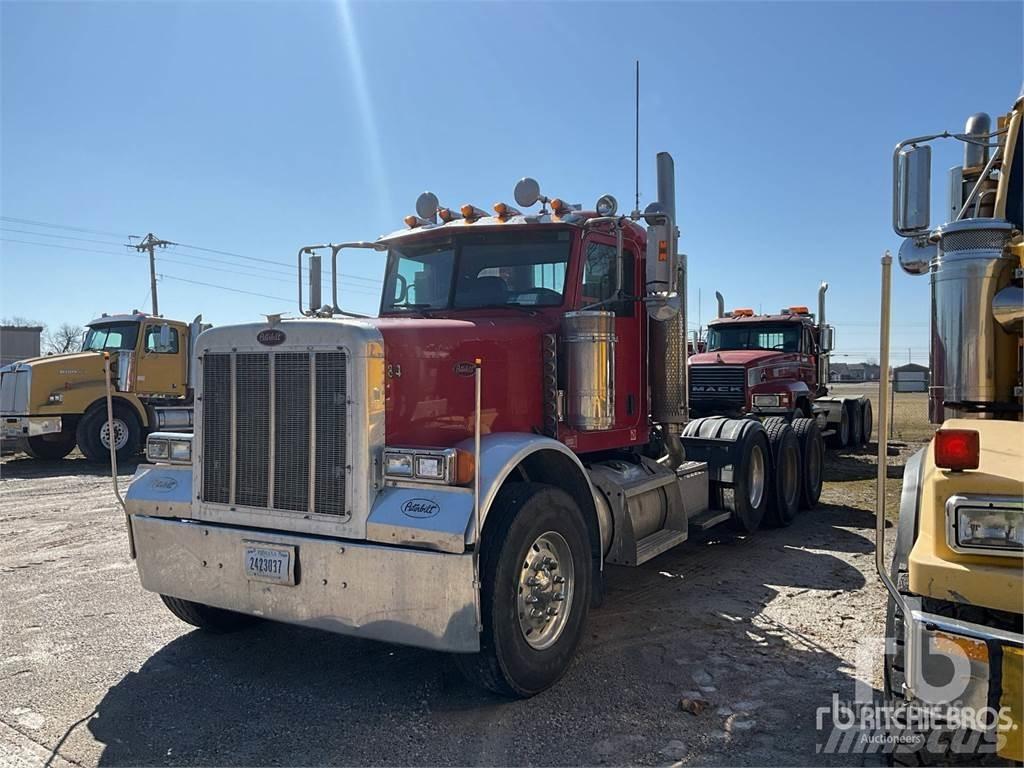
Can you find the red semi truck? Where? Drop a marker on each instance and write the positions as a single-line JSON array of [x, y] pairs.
[[775, 366], [455, 473]]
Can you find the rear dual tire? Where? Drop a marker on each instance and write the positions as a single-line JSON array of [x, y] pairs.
[[812, 461], [786, 477]]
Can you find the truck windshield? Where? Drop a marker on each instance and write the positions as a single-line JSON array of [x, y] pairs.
[[784, 337], [478, 270], [110, 337]]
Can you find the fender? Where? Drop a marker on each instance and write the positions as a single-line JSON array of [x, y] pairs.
[[910, 502], [502, 452], [124, 397]]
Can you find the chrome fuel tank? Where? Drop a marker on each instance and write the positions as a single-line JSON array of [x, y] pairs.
[[588, 340]]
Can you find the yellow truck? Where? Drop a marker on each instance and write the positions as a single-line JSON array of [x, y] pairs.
[[955, 580], [50, 404]]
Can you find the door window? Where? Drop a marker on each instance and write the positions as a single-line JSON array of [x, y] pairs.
[[599, 276], [153, 341]]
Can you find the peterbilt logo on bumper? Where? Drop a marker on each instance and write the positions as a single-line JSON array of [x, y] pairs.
[[716, 389]]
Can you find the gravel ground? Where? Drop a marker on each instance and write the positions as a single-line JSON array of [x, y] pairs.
[[764, 629]]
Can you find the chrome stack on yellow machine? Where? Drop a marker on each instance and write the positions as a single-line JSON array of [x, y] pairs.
[[954, 653]]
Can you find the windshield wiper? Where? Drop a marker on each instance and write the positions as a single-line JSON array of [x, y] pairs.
[[527, 308]]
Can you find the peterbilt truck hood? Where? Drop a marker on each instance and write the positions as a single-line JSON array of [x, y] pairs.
[[745, 357], [430, 376]]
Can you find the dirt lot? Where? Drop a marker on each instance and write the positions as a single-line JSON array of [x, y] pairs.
[[765, 629]]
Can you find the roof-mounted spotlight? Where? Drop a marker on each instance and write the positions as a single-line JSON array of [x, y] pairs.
[[527, 193], [426, 207], [505, 211], [472, 213], [606, 205]]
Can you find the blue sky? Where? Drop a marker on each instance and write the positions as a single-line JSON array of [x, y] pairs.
[[254, 128]]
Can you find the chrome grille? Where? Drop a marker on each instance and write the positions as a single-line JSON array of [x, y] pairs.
[[275, 430], [331, 405], [717, 386], [217, 428], [291, 433], [252, 425]]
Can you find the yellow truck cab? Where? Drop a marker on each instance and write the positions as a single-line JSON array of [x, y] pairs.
[[50, 404], [955, 620]]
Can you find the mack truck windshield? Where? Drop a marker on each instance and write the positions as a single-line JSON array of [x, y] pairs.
[[455, 473]]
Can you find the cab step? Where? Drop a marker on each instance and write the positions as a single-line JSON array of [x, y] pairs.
[[660, 541], [709, 519]]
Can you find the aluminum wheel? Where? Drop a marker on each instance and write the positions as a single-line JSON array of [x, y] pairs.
[[120, 434], [757, 476], [546, 586]]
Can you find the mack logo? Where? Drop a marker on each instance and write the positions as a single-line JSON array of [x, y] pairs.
[[721, 389], [270, 337], [420, 508], [464, 369], [164, 484]]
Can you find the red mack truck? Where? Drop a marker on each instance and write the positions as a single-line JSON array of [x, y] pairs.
[[776, 366], [455, 473]]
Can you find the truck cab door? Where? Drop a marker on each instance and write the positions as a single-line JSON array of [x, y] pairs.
[[161, 364], [598, 285]]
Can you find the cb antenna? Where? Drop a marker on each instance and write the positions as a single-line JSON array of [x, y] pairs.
[[636, 135]]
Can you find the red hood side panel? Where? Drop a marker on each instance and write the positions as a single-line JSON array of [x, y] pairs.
[[431, 402]]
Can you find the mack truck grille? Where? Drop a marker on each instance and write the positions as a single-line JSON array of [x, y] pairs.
[[274, 430], [717, 386]]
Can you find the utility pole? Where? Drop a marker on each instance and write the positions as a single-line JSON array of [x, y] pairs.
[[149, 243]]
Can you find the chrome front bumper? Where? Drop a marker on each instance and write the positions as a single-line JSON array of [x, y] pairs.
[[389, 593], [18, 427]]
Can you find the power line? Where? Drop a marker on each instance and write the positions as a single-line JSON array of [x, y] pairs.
[[63, 237], [222, 287], [68, 227], [62, 247]]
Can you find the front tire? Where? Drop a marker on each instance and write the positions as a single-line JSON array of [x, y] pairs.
[[50, 448], [535, 573], [206, 617], [94, 439]]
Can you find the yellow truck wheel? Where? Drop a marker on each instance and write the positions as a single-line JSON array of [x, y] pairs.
[[94, 434], [50, 448]]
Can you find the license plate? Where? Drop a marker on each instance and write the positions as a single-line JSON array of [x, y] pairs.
[[266, 562]]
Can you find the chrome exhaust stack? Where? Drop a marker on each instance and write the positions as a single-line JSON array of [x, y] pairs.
[[823, 361], [721, 303], [667, 348]]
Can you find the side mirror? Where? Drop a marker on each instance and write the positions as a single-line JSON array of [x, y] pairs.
[[913, 190], [827, 340], [315, 277], [165, 338]]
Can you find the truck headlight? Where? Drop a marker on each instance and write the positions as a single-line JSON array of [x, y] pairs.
[[449, 466], [766, 401], [169, 447], [989, 525], [55, 398]]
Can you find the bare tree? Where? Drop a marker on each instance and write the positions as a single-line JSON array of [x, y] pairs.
[[65, 338]]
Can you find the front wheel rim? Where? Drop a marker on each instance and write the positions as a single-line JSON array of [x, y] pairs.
[[545, 590], [120, 434]]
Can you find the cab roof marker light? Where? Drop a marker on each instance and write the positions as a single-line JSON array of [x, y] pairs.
[[472, 213], [506, 211], [743, 312], [447, 215], [412, 221]]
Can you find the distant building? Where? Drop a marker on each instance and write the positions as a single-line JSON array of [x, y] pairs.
[[18, 342], [853, 372], [910, 378]]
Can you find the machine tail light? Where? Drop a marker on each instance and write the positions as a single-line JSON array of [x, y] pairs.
[[957, 449]]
